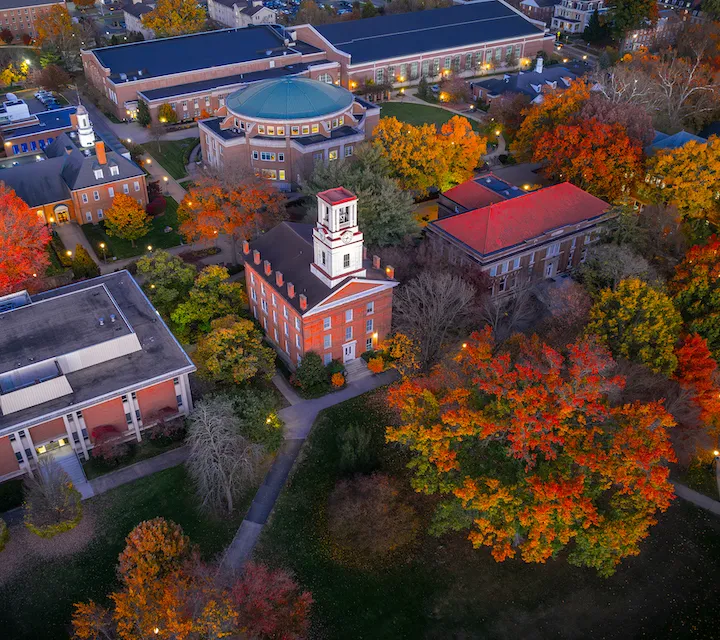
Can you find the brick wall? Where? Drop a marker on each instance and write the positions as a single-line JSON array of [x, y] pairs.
[[106, 413], [48, 431], [153, 399], [8, 461], [104, 199]]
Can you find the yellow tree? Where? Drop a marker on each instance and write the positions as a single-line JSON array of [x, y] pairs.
[[127, 219], [688, 178], [557, 107], [175, 17], [464, 149], [56, 31], [166, 114]]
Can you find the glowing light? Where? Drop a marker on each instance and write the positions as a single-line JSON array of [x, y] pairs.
[[102, 245], [565, 59], [585, 57], [163, 120], [375, 335], [526, 187], [165, 178], [129, 140], [28, 62], [497, 132], [148, 161], [149, 247], [152, 286], [34, 275], [464, 345], [52, 219], [268, 421], [716, 453], [68, 252]]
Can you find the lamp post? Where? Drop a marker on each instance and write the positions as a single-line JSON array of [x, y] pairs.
[[716, 460], [165, 180], [149, 248], [102, 246]]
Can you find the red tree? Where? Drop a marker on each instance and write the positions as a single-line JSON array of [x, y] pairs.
[[23, 239], [270, 604]]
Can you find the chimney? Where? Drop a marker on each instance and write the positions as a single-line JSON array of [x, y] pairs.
[[245, 247], [100, 152], [539, 65], [303, 301], [279, 278], [376, 262], [390, 272], [267, 267], [291, 290], [74, 121], [256, 256]]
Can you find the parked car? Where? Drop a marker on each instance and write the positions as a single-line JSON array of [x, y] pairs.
[[435, 88], [42, 94], [53, 106]]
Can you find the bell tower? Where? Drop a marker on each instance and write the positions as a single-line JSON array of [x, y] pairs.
[[337, 240], [86, 135]]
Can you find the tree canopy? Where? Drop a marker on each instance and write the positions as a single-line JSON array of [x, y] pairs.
[[175, 18], [167, 280], [127, 219]]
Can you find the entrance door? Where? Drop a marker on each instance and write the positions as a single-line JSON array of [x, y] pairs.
[[348, 352]]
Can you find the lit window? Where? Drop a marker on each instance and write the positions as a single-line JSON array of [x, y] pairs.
[[281, 174], [305, 129], [295, 130], [271, 130], [281, 131], [261, 128], [333, 154], [315, 128]]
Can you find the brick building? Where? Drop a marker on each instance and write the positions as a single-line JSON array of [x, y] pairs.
[[197, 72], [281, 128], [84, 359], [524, 239], [240, 13], [22, 16], [573, 16], [76, 177], [313, 289], [35, 131]]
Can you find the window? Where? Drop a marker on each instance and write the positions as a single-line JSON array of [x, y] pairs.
[[88, 216], [327, 359], [261, 128], [96, 195], [263, 304], [295, 130], [274, 316], [253, 294], [370, 308], [297, 324], [281, 131], [414, 71], [262, 288], [84, 198], [516, 264], [327, 324], [276, 334], [348, 151], [448, 62], [136, 185], [425, 68], [285, 328], [297, 340], [349, 315], [184, 104], [327, 342], [468, 61], [128, 418], [379, 76], [305, 129], [368, 344], [19, 457], [274, 300], [281, 157], [179, 401], [255, 155], [315, 128], [270, 174], [207, 101], [24, 147], [126, 188], [285, 312], [16, 149], [493, 271], [266, 155], [532, 259], [271, 130], [33, 145], [436, 66], [114, 171], [318, 156], [333, 154], [322, 255], [252, 278], [553, 250], [281, 174], [348, 333], [111, 192], [100, 214], [335, 123]]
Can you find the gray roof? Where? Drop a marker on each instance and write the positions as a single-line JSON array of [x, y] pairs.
[[664, 142], [528, 82], [289, 248], [37, 183], [424, 31], [182, 54], [161, 355], [137, 9]]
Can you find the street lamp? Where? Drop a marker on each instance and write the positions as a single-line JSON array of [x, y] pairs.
[[497, 132], [148, 161], [102, 246], [150, 248], [165, 180], [68, 253]]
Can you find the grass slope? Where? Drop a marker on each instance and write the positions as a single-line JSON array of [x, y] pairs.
[[172, 155], [417, 114]]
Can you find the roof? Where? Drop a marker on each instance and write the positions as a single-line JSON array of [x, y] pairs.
[[665, 142], [47, 121], [406, 34], [471, 195], [541, 3], [529, 83], [37, 183], [289, 248], [75, 318], [512, 222], [192, 52], [289, 98], [137, 9], [13, 4], [339, 195]]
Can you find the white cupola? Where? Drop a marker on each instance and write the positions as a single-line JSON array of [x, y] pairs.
[[86, 135], [337, 240]]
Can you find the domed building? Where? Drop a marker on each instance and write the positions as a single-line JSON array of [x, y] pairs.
[[280, 128]]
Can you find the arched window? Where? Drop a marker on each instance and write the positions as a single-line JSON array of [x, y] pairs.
[[325, 77]]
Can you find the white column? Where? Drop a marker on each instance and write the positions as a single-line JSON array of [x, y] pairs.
[[133, 416], [76, 429], [19, 448], [32, 444], [187, 394]]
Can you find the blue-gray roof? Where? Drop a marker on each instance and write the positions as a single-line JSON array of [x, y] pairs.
[[183, 54], [289, 98], [405, 34], [48, 121], [525, 82], [664, 142]]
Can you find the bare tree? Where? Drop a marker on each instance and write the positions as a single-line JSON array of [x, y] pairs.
[[506, 315], [156, 132], [431, 308], [569, 306], [50, 498], [222, 462], [607, 264]]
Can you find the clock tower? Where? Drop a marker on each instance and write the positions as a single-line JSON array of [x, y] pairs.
[[337, 240]]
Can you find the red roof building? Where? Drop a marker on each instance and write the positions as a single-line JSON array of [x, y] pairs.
[[525, 239]]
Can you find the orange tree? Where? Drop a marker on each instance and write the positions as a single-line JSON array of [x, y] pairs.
[[599, 158], [175, 17], [464, 149], [696, 291], [23, 239], [126, 219], [529, 456], [239, 209]]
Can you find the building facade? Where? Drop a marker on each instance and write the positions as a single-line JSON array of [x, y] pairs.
[[34, 132], [133, 13], [525, 239], [572, 16], [539, 9], [103, 369], [281, 128], [240, 13], [313, 288], [22, 16], [656, 36]]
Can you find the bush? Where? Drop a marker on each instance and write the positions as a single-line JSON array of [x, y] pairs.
[[83, 265], [376, 364], [156, 206], [11, 494], [337, 380], [368, 521], [52, 504], [311, 375], [26, 39], [109, 446], [167, 431], [356, 451], [4, 534], [334, 367], [256, 412]]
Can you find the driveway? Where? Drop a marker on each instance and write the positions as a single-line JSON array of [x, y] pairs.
[[71, 235]]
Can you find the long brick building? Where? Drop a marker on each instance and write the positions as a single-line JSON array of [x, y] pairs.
[[313, 288], [90, 358], [22, 16]]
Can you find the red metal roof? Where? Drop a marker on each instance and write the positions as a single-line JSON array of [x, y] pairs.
[[338, 195], [513, 221], [471, 195]]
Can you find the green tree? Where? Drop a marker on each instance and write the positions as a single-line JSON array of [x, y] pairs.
[[596, 30], [143, 114], [385, 213], [50, 57], [311, 375], [167, 280], [712, 8], [423, 90], [212, 296], [83, 265], [639, 323], [627, 15], [369, 10], [233, 352], [166, 114], [258, 421]]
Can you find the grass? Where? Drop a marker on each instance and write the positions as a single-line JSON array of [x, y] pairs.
[[417, 114], [157, 238], [187, 184], [139, 451], [38, 604], [446, 589], [172, 155]]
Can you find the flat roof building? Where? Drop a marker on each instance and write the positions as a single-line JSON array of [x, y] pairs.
[[91, 355]]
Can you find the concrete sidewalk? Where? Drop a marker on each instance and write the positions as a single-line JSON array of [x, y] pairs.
[[71, 235]]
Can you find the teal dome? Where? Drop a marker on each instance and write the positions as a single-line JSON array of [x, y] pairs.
[[290, 98]]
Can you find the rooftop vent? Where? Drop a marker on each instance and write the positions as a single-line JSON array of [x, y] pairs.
[[101, 321], [112, 317]]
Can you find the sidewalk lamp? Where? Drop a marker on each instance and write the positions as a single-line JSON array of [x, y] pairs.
[[165, 180], [148, 161], [68, 253], [102, 246], [150, 248], [497, 132]]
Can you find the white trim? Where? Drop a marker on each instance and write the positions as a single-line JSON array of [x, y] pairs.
[[321, 307]]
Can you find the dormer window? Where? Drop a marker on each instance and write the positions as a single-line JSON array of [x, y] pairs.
[[98, 174], [114, 171]]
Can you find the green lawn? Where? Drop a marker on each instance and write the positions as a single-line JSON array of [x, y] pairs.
[[157, 238], [38, 603], [172, 155], [446, 589], [417, 114], [139, 451]]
